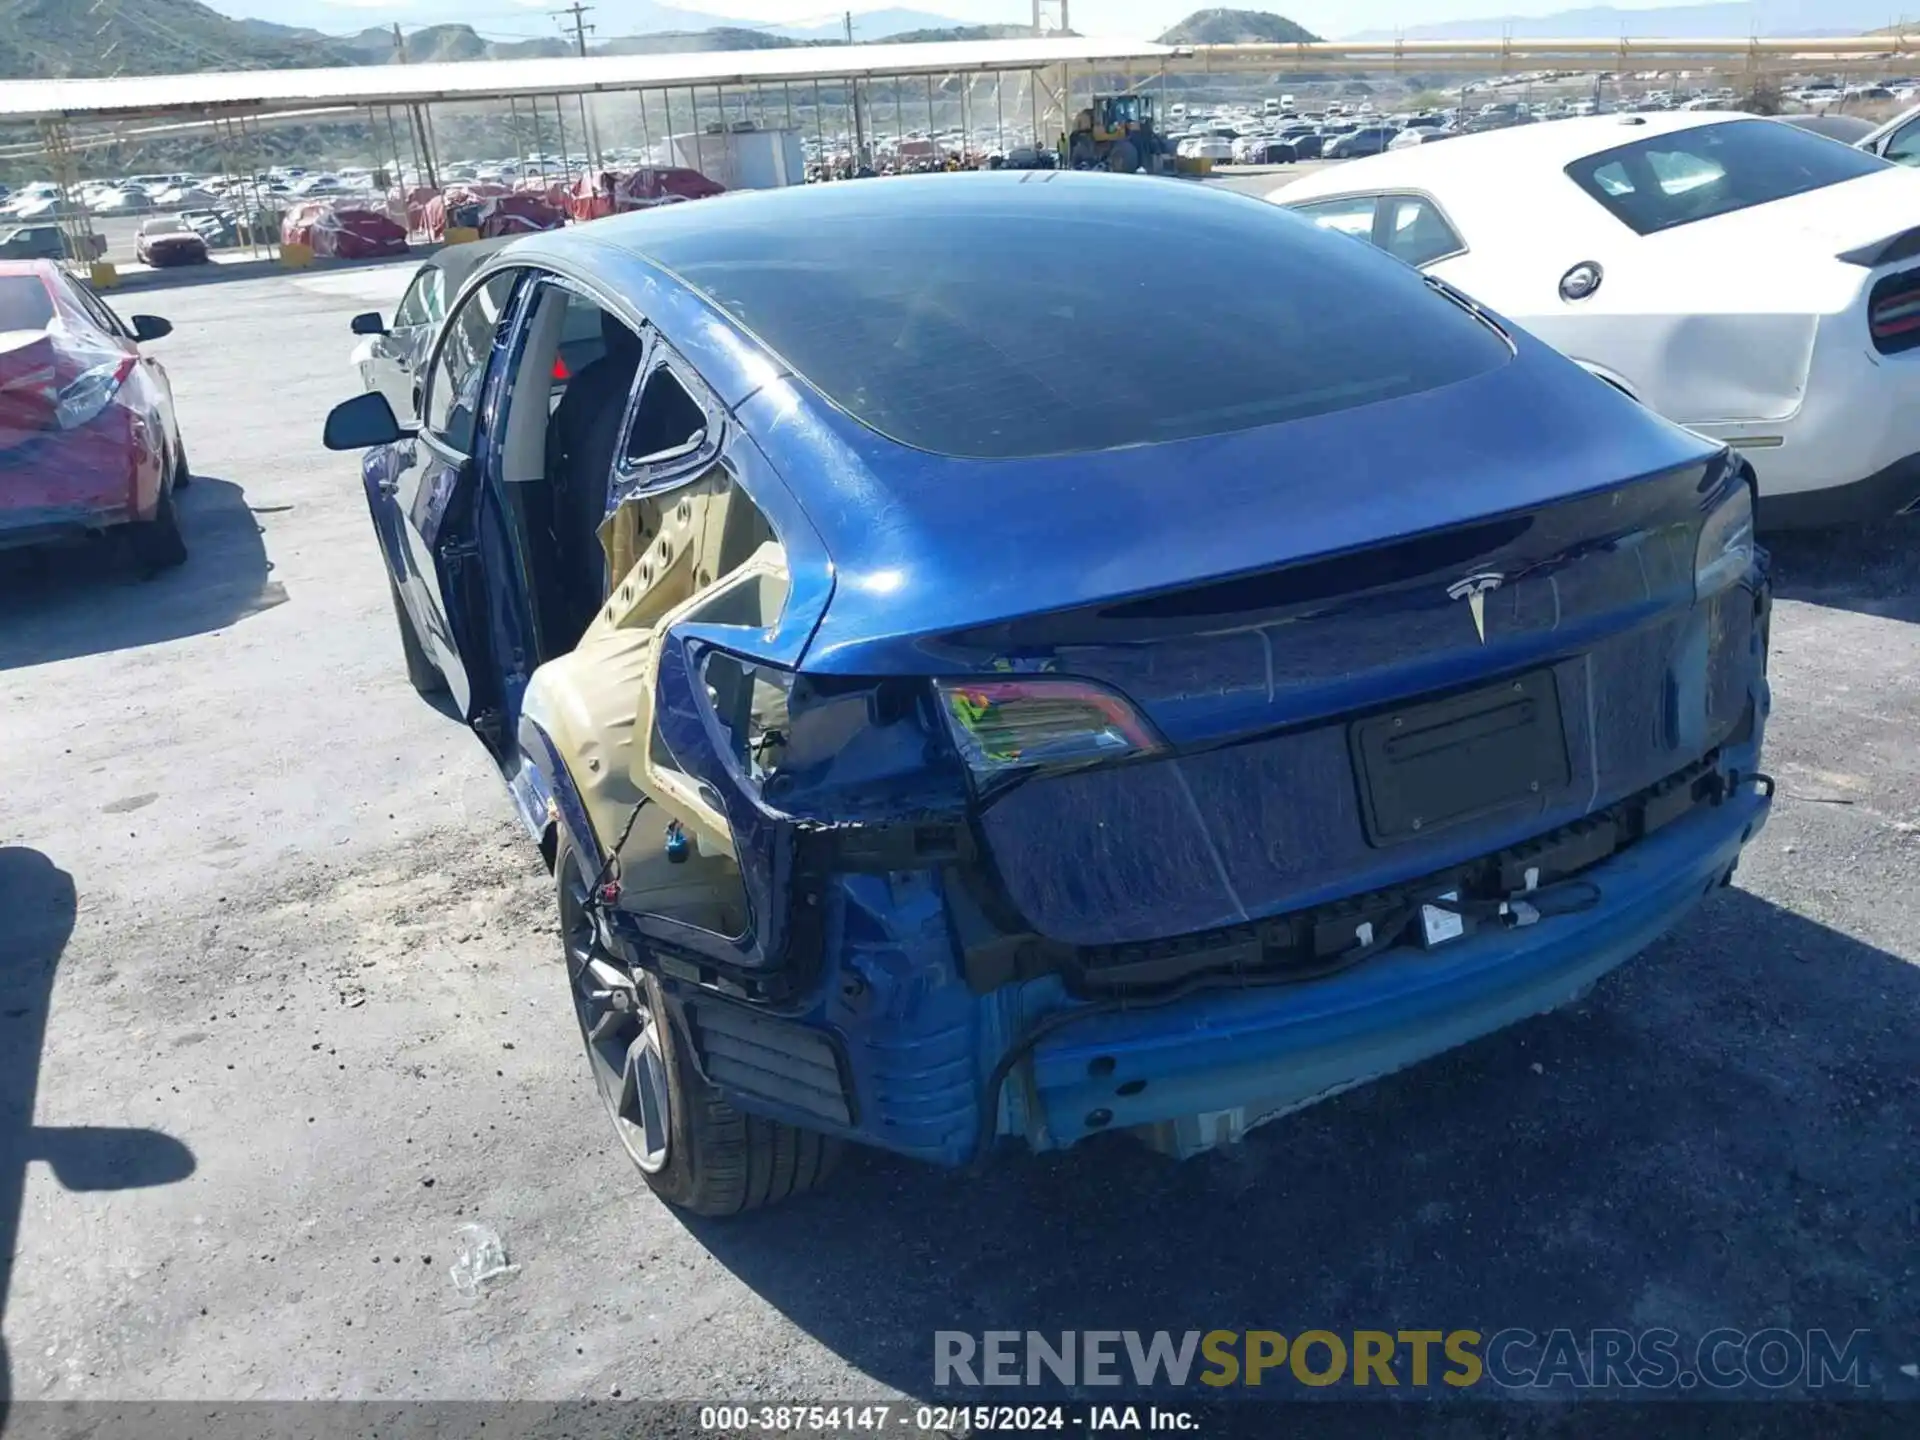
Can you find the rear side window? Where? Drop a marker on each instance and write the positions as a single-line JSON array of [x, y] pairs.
[[421, 305], [1351, 215], [96, 308], [1669, 180], [667, 421], [24, 303], [1417, 232]]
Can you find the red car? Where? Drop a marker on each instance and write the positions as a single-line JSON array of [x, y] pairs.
[[169, 242], [344, 230], [89, 439], [494, 215], [615, 192]]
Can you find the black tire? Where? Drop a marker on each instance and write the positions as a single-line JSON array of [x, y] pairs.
[[422, 673], [719, 1161], [157, 543], [1123, 158]]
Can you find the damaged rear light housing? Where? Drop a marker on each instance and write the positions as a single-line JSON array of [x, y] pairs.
[[1002, 726], [83, 398]]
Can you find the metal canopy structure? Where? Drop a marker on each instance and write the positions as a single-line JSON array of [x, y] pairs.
[[1837, 53], [262, 92], [77, 116]]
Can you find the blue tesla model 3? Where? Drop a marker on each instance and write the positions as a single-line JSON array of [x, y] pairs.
[[1025, 655]]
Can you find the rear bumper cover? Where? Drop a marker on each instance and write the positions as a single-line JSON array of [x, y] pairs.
[[911, 1047], [43, 524], [1893, 490], [1211, 1067], [1850, 451]]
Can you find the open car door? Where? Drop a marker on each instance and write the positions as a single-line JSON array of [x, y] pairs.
[[441, 529]]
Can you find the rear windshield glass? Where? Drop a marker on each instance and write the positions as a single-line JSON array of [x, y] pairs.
[[1669, 180], [24, 303], [1074, 318]]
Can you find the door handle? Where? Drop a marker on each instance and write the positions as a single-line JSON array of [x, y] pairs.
[[388, 487]]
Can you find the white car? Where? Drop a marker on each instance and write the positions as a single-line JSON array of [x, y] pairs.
[[1207, 147], [1750, 280]]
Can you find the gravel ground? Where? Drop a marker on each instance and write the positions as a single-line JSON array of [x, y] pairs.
[[278, 1003]]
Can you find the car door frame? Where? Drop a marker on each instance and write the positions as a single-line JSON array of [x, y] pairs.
[[441, 494]]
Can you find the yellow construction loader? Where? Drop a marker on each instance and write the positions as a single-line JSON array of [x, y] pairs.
[[1117, 132]]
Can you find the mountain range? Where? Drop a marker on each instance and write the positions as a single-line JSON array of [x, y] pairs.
[[1729, 19], [1236, 27], [608, 17], [149, 37]]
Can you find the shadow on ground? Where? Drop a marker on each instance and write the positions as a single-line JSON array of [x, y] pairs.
[[132, 283], [88, 597], [1874, 569], [1719, 1135], [38, 906]]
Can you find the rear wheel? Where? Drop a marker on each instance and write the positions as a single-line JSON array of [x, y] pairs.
[[693, 1148], [157, 544], [1123, 158], [422, 673]]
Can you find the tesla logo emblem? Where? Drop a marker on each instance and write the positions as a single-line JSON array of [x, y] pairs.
[[1474, 590]]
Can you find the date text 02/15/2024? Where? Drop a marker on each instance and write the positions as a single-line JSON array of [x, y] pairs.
[[946, 1420]]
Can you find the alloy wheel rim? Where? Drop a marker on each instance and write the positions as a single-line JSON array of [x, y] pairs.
[[623, 1045]]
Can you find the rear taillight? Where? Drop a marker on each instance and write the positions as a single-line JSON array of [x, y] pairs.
[[1040, 723], [1893, 313], [83, 398]]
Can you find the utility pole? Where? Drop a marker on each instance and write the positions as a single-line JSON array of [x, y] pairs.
[[399, 45], [859, 129], [578, 14]]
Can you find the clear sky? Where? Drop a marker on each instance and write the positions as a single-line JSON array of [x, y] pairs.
[[1113, 17]]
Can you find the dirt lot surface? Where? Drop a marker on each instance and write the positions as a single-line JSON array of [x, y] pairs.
[[280, 1012]]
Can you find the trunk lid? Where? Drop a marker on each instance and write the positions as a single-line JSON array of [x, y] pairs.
[[1588, 675], [927, 547], [1843, 216], [1256, 595]]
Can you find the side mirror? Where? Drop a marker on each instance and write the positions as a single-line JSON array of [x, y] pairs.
[[369, 324], [96, 1158], [361, 423], [151, 327]]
